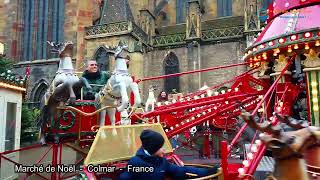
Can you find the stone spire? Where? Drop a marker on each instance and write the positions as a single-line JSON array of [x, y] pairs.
[[115, 11]]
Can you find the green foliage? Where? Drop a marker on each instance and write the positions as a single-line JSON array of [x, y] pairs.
[[5, 64], [29, 130]]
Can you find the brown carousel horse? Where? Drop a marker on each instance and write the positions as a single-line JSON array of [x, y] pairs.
[[287, 147], [63, 87]]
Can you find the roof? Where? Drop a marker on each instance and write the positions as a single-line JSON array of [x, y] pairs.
[[297, 28], [116, 11], [11, 86], [218, 23]]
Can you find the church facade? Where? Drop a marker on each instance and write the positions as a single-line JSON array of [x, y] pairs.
[[164, 37]]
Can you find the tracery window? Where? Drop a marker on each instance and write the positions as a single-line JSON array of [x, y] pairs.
[[171, 66]]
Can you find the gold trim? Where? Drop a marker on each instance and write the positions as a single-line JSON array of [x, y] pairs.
[[9, 86], [278, 73], [311, 69]]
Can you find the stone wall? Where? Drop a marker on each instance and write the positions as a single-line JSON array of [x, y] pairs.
[[212, 55], [40, 72]]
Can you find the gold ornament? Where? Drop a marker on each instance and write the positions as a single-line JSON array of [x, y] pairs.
[[312, 59]]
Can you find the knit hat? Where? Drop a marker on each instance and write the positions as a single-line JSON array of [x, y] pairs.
[[151, 141]]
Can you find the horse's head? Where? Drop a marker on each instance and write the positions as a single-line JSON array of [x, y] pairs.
[[121, 51], [152, 88], [64, 49], [285, 144]]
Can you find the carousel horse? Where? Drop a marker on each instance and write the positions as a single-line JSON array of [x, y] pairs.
[[151, 101], [63, 87], [118, 87], [287, 147]]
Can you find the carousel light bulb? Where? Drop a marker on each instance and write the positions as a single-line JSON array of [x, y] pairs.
[[306, 46], [223, 92], [241, 171], [281, 104], [271, 43], [296, 46], [258, 142], [215, 108], [315, 100], [317, 43], [314, 83], [307, 34], [188, 120], [293, 37], [275, 54], [171, 128], [261, 135], [216, 93], [158, 103], [236, 89], [227, 102], [174, 101], [245, 163], [209, 110], [261, 46], [177, 125], [277, 50], [289, 49], [316, 108], [250, 156], [281, 40], [314, 92], [278, 109], [254, 148], [193, 118], [264, 54]]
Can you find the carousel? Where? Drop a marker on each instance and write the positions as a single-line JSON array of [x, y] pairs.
[[272, 107]]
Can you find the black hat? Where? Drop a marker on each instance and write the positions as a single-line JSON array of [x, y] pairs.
[[151, 141]]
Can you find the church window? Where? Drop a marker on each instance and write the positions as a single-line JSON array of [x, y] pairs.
[[181, 11], [43, 21], [224, 8], [171, 66], [102, 58]]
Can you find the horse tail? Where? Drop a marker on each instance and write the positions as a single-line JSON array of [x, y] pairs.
[[43, 117]]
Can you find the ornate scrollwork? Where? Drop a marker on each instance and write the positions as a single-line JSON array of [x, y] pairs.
[[222, 33], [66, 118], [172, 39], [111, 28]]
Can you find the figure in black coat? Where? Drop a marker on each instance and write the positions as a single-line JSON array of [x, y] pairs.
[[149, 163]]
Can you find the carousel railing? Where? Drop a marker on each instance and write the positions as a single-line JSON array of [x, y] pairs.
[[255, 159]]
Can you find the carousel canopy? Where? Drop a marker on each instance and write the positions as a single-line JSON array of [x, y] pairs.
[[291, 27]]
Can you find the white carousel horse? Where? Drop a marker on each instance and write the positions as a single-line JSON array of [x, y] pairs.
[[151, 101], [118, 88], [62, 88]]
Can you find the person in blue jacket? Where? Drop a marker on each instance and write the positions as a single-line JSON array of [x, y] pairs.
[[149, 162]]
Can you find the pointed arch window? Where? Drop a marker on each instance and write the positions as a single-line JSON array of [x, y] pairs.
[[102, 57], [40, 90], [171, 66]]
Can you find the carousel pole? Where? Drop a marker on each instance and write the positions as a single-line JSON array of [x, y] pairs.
[[312, 72], [284, 107]]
